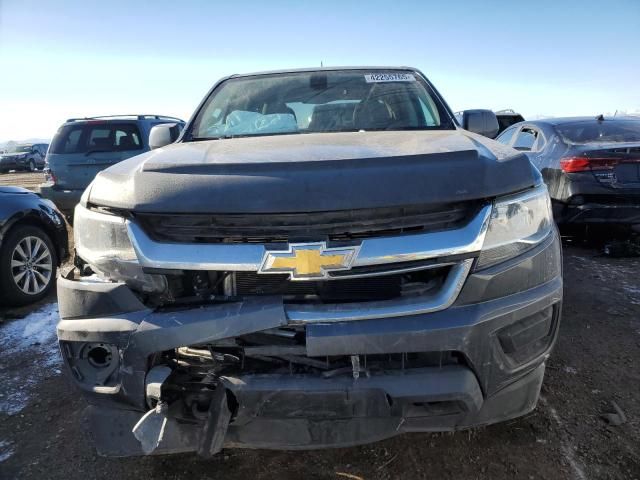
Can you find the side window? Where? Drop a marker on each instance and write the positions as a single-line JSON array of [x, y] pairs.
[[526, 139], [506, 136], [127, 137]]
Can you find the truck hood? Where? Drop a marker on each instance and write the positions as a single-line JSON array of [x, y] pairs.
[[314, 172]]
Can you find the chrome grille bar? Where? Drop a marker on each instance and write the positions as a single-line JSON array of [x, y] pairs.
[[248, 257]]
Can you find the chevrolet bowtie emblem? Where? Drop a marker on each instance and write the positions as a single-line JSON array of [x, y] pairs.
[[308, 261]]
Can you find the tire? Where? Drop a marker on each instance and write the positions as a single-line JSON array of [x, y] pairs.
[[33, 280], [32, 165]]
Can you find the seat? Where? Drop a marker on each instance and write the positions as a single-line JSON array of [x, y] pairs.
[[372, 115], [326, 118], [280, 107], [126, 143], [101, 143]]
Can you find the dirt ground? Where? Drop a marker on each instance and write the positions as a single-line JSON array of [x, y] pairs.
[[29, 180], [596, 362]]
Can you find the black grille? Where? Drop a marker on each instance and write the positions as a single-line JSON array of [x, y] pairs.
[[364, 289], [290, 227]]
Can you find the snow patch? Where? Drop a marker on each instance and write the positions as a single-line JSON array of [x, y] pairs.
[[633, 292], [29, 354], [6, 450]]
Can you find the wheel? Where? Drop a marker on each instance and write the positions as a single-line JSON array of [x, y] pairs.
[[27, 265], [32, 165]]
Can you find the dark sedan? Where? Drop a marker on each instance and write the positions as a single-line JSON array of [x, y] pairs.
[[591, 166], [33, 243]]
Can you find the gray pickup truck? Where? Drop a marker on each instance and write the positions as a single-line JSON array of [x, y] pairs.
[[323, 258]]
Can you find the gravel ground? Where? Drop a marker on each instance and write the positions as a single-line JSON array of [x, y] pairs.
[[596, 362]]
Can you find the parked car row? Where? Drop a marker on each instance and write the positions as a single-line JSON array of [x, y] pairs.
[[590, 164], [33, 232]]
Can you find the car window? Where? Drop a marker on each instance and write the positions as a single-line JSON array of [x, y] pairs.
[[102, 137], [526, 139], [600, 131], [67, 139], [20, 149], [311, 102], [127, 138], [98, 138], [506, 136]]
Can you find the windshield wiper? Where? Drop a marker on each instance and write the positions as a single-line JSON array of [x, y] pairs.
[[392, 128], [241, 135], [203, 139]]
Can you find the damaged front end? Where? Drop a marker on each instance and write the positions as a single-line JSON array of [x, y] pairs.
[[440, 321]]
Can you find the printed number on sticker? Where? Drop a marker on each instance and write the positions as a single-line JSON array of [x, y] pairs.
[[389, 77]]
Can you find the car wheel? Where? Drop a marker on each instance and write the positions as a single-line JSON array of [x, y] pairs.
[[27, 265], [32, 166]]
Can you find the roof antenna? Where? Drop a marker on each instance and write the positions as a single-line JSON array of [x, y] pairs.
[[600, 118]]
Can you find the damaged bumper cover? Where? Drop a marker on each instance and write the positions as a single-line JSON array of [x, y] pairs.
[[501, 327]]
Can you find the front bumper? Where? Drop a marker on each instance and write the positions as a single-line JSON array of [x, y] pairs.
[[65, 200], [369, 413], [7, 164], [503, 324]]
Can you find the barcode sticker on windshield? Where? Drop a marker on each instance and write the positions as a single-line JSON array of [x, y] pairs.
[[389, 77]]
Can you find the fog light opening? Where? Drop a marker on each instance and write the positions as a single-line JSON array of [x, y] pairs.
[[99, 357]]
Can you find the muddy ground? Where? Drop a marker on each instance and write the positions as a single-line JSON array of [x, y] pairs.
[[596, 362]]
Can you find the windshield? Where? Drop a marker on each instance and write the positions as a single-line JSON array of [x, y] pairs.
[[20, 149], [599, 132], [310, 102]]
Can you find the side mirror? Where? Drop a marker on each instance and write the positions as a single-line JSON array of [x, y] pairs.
[[482, 122], [162, 135]]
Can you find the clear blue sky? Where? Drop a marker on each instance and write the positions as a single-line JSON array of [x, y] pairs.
[[65, 58]]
